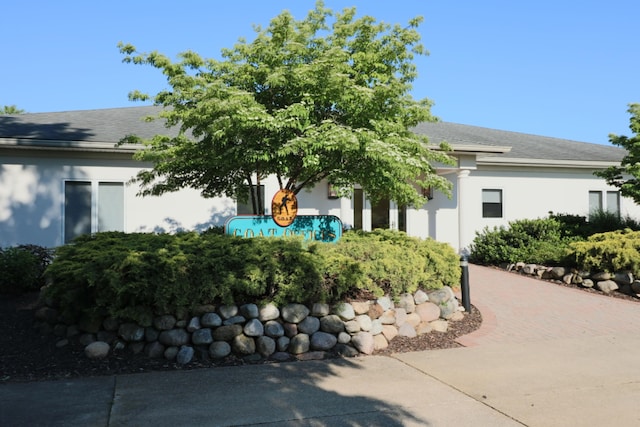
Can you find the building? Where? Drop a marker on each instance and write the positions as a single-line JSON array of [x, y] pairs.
[[61, 175]]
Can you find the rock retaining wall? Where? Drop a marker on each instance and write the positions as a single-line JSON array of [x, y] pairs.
[[268, 332], [622, 281]]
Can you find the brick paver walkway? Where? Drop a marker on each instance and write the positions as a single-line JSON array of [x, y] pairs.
[[518, 309]]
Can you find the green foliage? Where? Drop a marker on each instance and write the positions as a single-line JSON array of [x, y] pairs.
[[132, 276], [601, 221], [611, 251], [21, 268], [532, 240], [307, 101], [626, 177], [10, 109]]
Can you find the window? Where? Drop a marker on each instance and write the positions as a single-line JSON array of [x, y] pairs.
[[492, 203], [91, 207], [246, 208], [604, 200]]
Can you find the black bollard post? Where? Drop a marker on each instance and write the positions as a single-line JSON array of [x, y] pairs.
[[464, 282]]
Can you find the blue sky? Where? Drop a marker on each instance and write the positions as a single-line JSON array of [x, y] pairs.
[[557, 68]]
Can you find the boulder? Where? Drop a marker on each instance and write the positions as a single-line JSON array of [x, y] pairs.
[[294, 313], [97, 350]]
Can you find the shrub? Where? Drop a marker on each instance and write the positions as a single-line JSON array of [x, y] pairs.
[[133, 276], [611, 251], [21, 268], [539, 241]]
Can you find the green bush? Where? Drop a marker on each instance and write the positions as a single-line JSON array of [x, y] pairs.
[[611, 252], [134, 276], [540, 241], [21, 268]]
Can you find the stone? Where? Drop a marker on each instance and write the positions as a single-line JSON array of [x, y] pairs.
[[635, 287], [332, 324], [320, 309], [365, 322], [299, 344], [60, 330], [400, 315], [439, 325], [164, 322], [380, 342], [420, 297], [376, 327], [352, 326], [202, 336], [567, 278], [311, 355], [273, 329], [344, 338], [227, 311], [406, 330], [249, 311], [151, 334], [210, 320], [227, 333], [253, 328], [219, 349], [587, 283], [323, 341], [441, 295], [282, 343], [623, 278], [47, 314], [131, 332], [107, 336], [363, 342], [170, 353], [154, 350], [375, 311], [385, 302], [294, 313], [265, 346], [110, 324], [137, 347], [234, 320], [119, 345], [89, 324], [407, 303], [194, 324], [428, 311], [181, 324], [86, 339], [607, 286], [345, 311], [97, 350], [601, 275], [268, 312], [309, 325], [290, 329], [346, 350], [456, 317], [185, 355], [243, 345], [73, 331], [281, 356], [448, 308], [62, 343], [424, 328], [529, 269], [388, 318], [558, 273], [174, 337], [360, 307], [413, 319]]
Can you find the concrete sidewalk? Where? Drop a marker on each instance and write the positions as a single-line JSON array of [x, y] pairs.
[[545, 356]]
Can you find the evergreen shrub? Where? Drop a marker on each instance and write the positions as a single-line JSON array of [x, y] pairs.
[[22, 267], [612, 251], [134, 276]]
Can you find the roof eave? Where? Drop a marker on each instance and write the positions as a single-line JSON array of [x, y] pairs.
[[506, 161]]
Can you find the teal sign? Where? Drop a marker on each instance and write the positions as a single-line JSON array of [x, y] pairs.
[[322, 228]]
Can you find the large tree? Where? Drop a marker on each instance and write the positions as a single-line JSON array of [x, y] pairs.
[[306, 100], [627, 176]]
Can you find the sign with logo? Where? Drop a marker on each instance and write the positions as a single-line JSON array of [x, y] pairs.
[[284, 207], [322, 228]]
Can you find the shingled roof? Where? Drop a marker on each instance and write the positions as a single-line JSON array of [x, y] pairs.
[[105, 127]]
